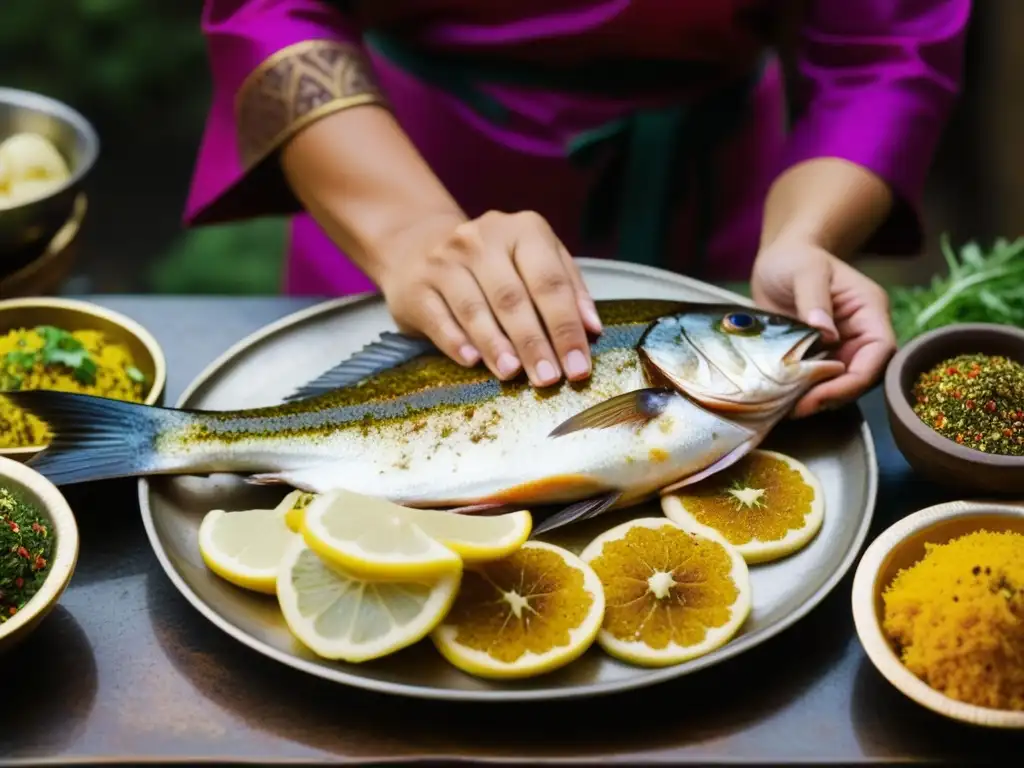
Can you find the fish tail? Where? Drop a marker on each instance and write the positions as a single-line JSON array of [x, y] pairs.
[[96, 438]]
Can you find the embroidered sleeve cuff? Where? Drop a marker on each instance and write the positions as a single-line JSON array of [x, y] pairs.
[[295, 87]]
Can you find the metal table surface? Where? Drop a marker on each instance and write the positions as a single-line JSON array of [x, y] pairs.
[[125, 670]]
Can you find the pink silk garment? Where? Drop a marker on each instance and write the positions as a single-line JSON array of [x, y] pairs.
[[877, 80]]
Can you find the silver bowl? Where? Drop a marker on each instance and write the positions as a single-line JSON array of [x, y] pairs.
[[34, 223]]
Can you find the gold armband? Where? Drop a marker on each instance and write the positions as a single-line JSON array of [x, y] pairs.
[[296, 86]]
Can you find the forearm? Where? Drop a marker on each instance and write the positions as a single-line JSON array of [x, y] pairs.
[[361, 178], [832, 203]]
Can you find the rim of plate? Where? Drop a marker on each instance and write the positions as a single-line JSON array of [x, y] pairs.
[[643, 678]]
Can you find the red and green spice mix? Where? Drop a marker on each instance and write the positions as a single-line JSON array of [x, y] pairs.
[[26, 547], [976, 400]]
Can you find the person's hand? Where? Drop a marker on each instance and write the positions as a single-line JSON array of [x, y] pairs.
[[501, 288], [804, 281]]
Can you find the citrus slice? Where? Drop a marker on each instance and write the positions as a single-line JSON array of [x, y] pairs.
[[671, 595], [373, 537], [338, 615], [294, 506], [767, 505], [529, 613], [246, 547]]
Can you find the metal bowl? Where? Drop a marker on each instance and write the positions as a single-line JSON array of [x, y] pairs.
[[73, 315], [32, 224], [54, 507], [900, 546]]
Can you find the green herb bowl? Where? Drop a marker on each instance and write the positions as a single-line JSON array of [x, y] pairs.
[[74, 315], [931, 454], [52, 506]]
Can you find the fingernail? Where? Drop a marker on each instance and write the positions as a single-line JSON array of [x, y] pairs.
[[546, 373], [507, 364], [820, 319], [576, 364], [590, 314], [469, 354]]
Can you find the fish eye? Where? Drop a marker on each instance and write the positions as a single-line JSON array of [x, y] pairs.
[[740, 322]]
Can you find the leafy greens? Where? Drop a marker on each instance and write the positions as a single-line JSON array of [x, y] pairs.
[[979, 288]]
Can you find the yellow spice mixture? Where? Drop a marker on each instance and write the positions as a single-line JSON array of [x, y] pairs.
[[51, 358], [957, 618]]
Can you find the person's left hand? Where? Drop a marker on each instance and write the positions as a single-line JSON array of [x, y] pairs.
[[805, 281]]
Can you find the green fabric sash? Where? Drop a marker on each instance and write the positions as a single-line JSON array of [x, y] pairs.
[[660, 156]]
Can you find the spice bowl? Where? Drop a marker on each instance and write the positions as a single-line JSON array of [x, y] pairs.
[[931, 454], [44, 497], [73, 315], [899, 547]]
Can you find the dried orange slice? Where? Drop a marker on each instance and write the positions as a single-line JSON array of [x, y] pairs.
[[767, 505], [529, 613], [670, 595]]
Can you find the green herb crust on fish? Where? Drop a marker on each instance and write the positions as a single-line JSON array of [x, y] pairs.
[[678, 391]]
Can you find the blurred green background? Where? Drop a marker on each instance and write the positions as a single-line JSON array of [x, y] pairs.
[[138, 70]]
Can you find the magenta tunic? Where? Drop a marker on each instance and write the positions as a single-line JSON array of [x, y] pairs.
[[878, 80]]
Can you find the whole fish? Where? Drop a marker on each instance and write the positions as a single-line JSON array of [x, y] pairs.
[[678, 391]]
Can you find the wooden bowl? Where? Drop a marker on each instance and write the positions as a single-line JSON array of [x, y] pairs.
[[900, 546], [54, 507], [934, 456], [38, 274], [73, 315]]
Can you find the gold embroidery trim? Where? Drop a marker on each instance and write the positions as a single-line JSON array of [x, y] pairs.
[[295, 87]]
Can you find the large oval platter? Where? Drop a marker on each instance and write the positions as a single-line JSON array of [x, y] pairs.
[[265, 367]]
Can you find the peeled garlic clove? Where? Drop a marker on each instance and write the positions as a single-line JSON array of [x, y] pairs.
[[29, 156]]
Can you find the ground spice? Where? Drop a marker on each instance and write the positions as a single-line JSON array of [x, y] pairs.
[[976, 400], [26, 548], [956, 618]]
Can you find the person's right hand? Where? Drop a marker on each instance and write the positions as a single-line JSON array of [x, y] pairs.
[[501, 288]]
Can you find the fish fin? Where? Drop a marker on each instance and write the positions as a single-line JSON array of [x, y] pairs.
[[490, 508], [726, 461], [581, 510], [95, 438], [268, 478], [389, 351], [637, 407]]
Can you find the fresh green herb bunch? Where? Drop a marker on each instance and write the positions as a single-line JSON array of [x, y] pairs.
[[980, 287]]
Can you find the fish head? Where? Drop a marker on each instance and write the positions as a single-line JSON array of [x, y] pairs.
[[736, 358]]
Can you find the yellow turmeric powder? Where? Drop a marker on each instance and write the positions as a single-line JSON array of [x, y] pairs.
[[956, 618]]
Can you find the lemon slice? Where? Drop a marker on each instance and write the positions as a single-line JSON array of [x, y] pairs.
[[338, 615], [375, 538], [767, 505], [524, 615], [671, 595], [294, 506], [245, 548]]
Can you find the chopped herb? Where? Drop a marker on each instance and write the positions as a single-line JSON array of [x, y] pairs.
[[135, 374], [59, 348], [26, 548]]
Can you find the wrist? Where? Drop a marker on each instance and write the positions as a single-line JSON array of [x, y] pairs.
[[825, 202], [411, 237]]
